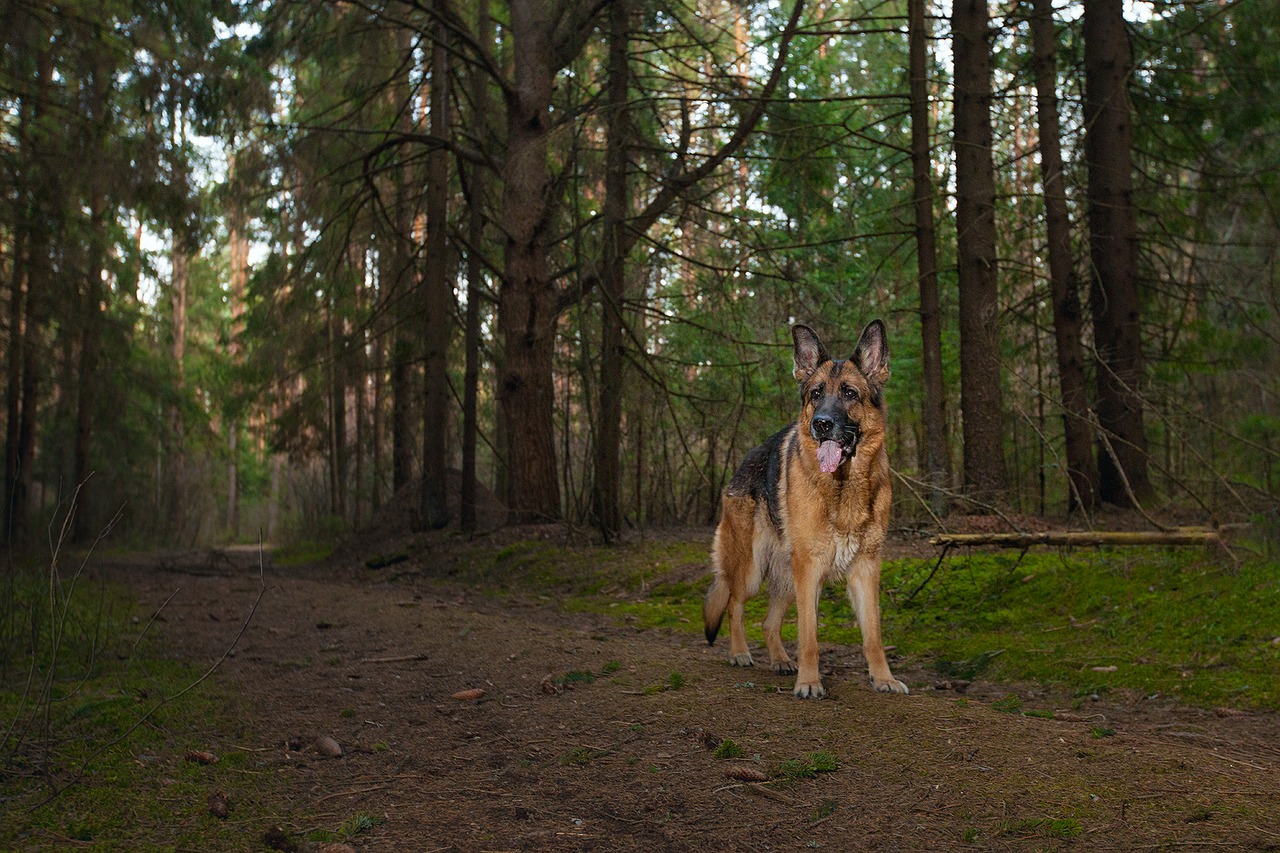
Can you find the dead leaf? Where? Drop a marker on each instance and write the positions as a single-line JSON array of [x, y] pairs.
[[1105, 668], [197, 756]]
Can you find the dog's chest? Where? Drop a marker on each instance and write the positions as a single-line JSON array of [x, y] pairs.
[[846, 548]]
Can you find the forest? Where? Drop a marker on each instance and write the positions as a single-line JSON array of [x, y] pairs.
[[271, 269]]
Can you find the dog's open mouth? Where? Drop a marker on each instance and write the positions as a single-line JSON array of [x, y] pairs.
[[832, 454]]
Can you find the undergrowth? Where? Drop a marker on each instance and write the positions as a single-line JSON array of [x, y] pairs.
[[1180, 623]]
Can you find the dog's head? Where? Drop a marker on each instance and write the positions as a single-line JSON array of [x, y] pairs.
[[841, 400]]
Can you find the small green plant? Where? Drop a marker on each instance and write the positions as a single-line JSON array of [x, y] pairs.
[[809, 766], [729, 749], [970, 835], [611, 667], [581, 756], [357, 824], [1009, 704], [576, 676], [1101, 732]]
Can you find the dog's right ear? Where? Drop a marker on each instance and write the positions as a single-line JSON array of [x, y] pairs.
[[809, 354]]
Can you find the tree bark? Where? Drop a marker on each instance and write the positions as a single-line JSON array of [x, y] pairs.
[[475, 283], [985, 473], [435, 402], [527, 311], [935, 461], [608, 443], [400, 291], [1082, 472], [1113, 291], [238, 257], [1187, 536]]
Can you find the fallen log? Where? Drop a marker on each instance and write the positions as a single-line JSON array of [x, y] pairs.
[[1180, 536]]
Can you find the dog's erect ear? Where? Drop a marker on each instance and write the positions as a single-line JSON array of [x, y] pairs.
[[809, 351], [872, 352]]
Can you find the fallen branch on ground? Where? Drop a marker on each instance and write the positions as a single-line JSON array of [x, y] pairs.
[[1177, 536]]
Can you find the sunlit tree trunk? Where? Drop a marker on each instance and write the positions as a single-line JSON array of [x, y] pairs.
[[238, 258]]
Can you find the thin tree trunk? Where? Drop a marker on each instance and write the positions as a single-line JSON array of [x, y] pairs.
[[177, 417], [1082, 473], [1113, 291], [608, 444], [435, 510], [985, 472], [475, 284], [935, 462], [238, 256], [400, 285]]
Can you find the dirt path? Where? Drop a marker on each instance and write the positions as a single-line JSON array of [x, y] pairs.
[[627, 761]]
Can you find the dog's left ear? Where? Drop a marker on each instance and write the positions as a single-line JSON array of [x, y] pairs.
[[872, 352], [809, 352]]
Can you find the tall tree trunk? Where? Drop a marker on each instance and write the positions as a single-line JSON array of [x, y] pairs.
[[177, 417], [475, 282], [1113, 292], [435, 401], [527, 310], [18, 331], [89, 376], [935, 462], [608, 443], [985, 473], [1082, 473], [400, 287], [238, 258]]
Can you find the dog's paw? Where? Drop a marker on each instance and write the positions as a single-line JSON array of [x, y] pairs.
[[785, 667], [743, 659], [810, 690], [890, 685]]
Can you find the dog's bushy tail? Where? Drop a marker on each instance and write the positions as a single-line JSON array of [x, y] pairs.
[[716, 601]]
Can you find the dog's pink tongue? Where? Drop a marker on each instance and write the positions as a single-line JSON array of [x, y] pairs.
[[829, 456]]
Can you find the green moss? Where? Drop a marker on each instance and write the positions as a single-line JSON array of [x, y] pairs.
[[1170, 621]]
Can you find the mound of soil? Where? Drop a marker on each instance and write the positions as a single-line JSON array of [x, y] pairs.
[[469, 723]]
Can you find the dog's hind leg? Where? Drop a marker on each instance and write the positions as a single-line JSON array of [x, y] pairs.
[[737, 577], [779, 602]]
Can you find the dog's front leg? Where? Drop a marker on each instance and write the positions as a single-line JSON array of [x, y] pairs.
[[808, 578], [864, 595]]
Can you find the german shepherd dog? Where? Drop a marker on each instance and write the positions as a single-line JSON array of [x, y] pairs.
[[811, 503]]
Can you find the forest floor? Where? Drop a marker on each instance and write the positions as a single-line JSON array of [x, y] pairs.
[[596, 734]]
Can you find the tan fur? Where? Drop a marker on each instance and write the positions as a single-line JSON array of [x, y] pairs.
[[829, 524]]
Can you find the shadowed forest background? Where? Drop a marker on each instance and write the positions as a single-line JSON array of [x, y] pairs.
[[282, 266]]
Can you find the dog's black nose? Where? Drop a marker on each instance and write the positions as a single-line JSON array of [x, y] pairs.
[[822, 426]]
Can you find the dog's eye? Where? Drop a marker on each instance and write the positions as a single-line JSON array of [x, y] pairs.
[[815, 393], [849, 393]]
